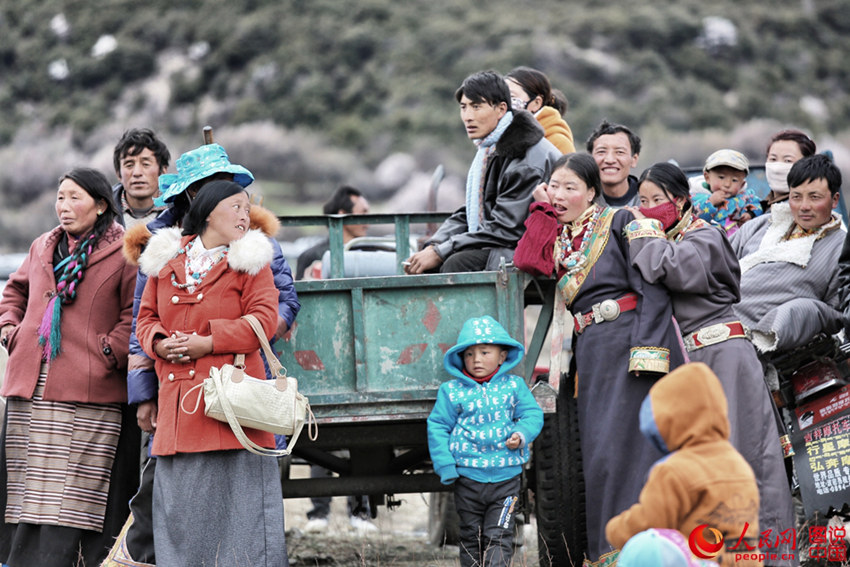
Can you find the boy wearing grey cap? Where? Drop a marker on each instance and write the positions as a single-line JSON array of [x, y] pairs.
[[727, 202]]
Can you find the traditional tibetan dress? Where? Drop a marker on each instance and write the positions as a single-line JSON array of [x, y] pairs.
[[624, 339], [696, 263]]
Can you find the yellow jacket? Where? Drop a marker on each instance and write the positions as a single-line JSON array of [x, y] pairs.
[[556, 129]]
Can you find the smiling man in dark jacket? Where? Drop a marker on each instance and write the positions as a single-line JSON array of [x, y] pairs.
[[513, 157]]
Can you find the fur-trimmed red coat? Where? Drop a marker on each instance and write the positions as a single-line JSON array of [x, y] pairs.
[[240, 285], [142, 384]]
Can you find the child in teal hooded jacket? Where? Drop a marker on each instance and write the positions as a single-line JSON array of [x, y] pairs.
[[478, 436]]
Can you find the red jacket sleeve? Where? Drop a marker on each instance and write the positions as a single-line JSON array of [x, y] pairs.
[[535, 252]]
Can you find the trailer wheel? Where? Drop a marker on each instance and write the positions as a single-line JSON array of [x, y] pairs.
[[284, 465], [559, 498], [442, 519]]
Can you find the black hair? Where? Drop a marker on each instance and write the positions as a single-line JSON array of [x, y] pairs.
[[485, 86], [670, 178], [134, 142], [606, 128], [182, 201], [95, 184], [807, 145], [195, 221], [811, 168], [559, 101], [535, 83], [342, 200], [584, 166]]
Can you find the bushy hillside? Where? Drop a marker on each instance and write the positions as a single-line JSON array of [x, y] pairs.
[[373, 77]]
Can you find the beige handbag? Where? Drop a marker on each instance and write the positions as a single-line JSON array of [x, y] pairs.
[[240, 400]]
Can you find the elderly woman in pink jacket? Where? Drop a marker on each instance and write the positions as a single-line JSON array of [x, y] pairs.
[[69, 451]]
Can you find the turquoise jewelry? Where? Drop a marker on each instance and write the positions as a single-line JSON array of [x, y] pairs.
[[197, 268], [571, 259]]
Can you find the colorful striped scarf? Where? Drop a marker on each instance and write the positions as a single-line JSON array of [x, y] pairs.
[[73, 268]]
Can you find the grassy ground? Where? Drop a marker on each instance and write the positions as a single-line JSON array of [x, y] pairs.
[[401, 539]]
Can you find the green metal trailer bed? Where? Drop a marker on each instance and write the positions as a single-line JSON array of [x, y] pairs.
[[368, 352]]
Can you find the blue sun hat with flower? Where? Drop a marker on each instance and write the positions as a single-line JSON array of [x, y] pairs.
[[195, 165]]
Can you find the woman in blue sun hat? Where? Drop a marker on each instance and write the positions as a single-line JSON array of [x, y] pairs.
[[206, 163], [195, 169]]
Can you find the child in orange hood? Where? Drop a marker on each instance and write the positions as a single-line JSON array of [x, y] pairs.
[[702, 480]]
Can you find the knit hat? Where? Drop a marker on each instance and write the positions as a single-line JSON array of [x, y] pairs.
[[195, 165], [727, 157], [659, 548]]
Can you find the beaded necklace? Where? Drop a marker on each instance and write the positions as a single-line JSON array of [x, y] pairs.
[[199, 266], [571, 259]]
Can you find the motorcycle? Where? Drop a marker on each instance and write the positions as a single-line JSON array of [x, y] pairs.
[[813, 397]]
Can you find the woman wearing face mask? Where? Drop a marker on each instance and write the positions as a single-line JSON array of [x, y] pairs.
[[623, 333], [785, 149], [671, 245], [531, 91]]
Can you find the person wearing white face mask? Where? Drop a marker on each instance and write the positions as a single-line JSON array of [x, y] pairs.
[[531, 91], [784, 150]]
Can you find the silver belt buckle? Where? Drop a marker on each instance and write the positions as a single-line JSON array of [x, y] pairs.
[[714, 334], [580, 323], [607, 310]]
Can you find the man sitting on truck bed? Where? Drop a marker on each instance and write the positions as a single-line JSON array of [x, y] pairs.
[[513, 157]]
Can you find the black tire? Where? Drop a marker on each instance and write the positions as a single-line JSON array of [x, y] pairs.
[[284, 465], [559, 497], [442, 519]]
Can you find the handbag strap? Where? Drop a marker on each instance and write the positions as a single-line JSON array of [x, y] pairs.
[[197, 402], [278, 371], [240, 433]]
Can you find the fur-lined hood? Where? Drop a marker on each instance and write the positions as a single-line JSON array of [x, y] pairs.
[[523, 132], [136, 238], [249, 254]]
